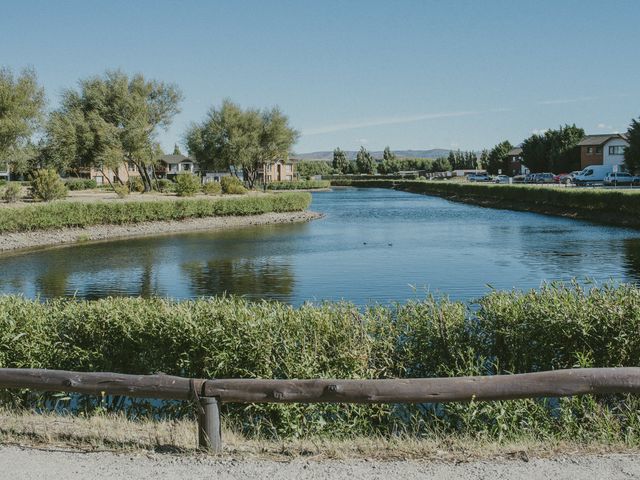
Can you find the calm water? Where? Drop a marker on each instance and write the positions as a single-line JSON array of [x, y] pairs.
[[373, 245]]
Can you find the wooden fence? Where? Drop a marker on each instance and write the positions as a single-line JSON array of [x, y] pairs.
[[210, 393]]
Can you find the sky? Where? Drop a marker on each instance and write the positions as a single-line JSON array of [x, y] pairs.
[[409, 74]]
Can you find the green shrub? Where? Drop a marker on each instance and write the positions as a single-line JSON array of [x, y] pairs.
[[299, 185], [212, 188], [232, 185], [165, 185], [11, 192], [558, 326], [121, 191], [187, 184], [80, 183], [47, 185], [83, 214], [135, 184]]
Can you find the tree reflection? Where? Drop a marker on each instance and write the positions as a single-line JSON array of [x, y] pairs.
[[632, 258], [256, 278]]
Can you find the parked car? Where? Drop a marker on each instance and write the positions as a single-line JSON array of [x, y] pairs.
[[544, 178], [530, 178], [519, 179], [593, 175], [479, 177], [501, 179], [557, 178], [619, 178]]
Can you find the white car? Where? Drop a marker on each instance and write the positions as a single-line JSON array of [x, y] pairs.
[[479, 177], [502, 179], [593, 175], [619, 178]]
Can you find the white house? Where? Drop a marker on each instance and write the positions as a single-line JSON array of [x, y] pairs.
[[172, 165], [607, 149]]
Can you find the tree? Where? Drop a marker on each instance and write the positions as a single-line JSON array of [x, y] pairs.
[[365, 162], [390, 163], [340, 162], [176, 149], [21, 109], [484, 159], [233, 139], [554, 150], [497, 160], [313, 167], [442, 165], [632, 153], [110, 119]]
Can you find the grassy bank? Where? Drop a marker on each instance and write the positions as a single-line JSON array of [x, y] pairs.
[[47, 216], [505, 332], [299, 185], [615, 207]]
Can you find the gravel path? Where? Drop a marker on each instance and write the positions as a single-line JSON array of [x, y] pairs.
[[29, 463], [15, 241]]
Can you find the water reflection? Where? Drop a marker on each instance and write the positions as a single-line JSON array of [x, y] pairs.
[[373, 245]]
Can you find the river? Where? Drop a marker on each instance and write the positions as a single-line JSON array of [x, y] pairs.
[[373, 245]]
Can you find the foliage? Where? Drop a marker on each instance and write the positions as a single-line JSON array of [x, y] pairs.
[[556, 327], [442, 165], [80, 184], [11, 192], [187, 185], [80, 214], [308, 168], [135, 184], [165, 185], [554, 150], [108, 120], [21, 107], [232, 185], [299, 185], [340, 163], [497, 159], [212, 188], [365, 161], [632, 153], [231, 138], [460, 160], [47, 185]]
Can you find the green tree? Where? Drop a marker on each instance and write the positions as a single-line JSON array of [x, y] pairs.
[[483, 162], [442, 165], [390, 163], [497, 160], [554, 150], [632, 153], [340, 162], [312, 167], [110, 119], [365, 162], [176, 149], [234, 139], [22, 102]]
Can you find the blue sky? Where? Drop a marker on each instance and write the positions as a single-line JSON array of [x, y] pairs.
[[409, 74]]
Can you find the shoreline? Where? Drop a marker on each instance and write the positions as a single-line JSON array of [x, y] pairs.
[[37, 239]]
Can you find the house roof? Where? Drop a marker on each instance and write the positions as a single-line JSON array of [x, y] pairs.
[[598, 140], [175, 159], [515, 152]]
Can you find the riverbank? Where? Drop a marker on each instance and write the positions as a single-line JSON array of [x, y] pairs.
[[611, 207], [48, 238]]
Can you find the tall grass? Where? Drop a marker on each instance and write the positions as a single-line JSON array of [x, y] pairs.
[[504, 332], [80, 214], [299, 185]]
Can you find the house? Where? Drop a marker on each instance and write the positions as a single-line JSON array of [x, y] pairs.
[[172, 165], [606, 149], [105, 175], [279, 171], [515, 163]]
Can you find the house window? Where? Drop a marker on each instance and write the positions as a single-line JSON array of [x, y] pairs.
[[99, 179], [288, 169], [598, 149], [131, 166], [616, 150]]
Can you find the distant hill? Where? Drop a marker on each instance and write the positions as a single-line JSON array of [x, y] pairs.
[[351, 154]]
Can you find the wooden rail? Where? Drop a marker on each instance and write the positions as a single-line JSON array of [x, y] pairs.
[[210, 393]]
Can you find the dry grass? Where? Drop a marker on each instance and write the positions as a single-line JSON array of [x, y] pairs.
[[116, 433]]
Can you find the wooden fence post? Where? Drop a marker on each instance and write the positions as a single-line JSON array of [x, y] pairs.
[[209, 434]]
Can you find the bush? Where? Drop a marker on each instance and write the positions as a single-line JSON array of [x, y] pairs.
[[187, 184], [135, 184], [299, 185], [80, 184], [555, 327], [47, 185], [232, 185], [121, 191], [212, 188], [165, 185], [80, 214], [12, 192]]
